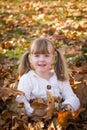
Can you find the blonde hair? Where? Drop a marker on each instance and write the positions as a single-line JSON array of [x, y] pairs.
[[40, 46], [61, 67]]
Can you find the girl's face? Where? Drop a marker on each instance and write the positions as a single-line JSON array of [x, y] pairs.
[[42, 62]]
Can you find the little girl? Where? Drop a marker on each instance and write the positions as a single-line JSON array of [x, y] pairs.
[[37, 74]]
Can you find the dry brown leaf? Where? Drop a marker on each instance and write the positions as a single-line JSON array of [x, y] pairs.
[[39, 125], [74, 83], [50, 111], [18, 124], [51, 127], [6, 45], [76, 113], [50, 98], [6, 115], [42, 110], [36, 126], [6, 93], [38, 103], [39, 107], [80, 28], [82, 71], [30, 127]]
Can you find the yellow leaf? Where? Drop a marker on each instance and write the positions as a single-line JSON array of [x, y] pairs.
[[50, 98]]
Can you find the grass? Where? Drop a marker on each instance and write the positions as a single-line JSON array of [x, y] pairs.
[[15, 53], [17, 21]]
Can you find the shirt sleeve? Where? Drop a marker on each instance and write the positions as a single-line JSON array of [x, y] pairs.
[[26, 87], [69, 96]]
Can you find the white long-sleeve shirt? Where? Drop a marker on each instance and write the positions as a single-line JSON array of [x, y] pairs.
[[35, 87]]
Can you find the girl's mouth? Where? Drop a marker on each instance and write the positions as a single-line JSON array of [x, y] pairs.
[[42, 65]]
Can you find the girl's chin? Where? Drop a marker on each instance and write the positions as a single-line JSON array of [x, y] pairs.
[[42, 70]]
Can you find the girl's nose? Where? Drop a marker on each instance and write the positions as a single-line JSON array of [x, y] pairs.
[[42, 58]]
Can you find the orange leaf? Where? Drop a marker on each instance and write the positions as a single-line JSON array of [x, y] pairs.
[[63, 116], [76, 114], [83, 71]]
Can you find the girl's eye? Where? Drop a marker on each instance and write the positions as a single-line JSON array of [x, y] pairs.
[[36, 55], [46, 55]]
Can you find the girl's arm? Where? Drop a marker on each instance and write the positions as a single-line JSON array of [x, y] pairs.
[[69, 96], [28, 108], [25, 86]]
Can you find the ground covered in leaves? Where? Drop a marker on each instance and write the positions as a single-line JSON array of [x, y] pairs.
[[65, 23]]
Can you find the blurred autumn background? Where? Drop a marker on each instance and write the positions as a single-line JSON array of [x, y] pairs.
[[21, 21]]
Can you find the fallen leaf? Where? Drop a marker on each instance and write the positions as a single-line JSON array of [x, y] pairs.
[[50, 98], [63, 117], [76, 113], [50, 111], [6, 93]]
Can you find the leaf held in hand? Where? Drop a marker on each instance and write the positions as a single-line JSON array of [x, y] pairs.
[[63, 116]]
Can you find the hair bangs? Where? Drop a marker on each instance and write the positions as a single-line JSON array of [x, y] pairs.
[[40, 47]]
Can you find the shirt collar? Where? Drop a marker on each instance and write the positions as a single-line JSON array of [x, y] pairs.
[[34, 74]]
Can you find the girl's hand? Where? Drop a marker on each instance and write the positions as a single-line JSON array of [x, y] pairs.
[[68, 108]]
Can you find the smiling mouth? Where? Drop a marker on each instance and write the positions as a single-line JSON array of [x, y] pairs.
[[42, 65]]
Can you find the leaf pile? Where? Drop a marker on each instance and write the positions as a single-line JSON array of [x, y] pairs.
[[10, 111], [12, 114]]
